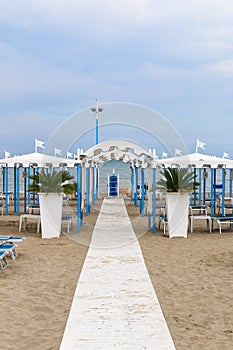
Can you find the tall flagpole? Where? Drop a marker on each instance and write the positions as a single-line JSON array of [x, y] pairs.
[[97, 111]]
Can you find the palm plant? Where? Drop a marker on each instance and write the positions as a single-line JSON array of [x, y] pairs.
[[54, 182], [177, 180]]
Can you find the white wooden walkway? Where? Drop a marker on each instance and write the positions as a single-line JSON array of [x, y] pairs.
[[115, 305]]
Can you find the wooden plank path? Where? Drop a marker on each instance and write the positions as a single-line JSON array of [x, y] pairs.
[[115, 305]]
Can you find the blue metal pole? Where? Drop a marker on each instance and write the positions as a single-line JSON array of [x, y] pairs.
[[87, 191], [79, 199], [136, 193], [230, 183], [212, 192], [6, 190], [223, 192], [200, 187], [15, 194], [215, 180], [17, 191], [29, 182], [142, 207], [97, 130], [93, 185], [25, 190], [132, 183], [195, 191], [154, 200], [97, 183], [3, 180], [204, 187]]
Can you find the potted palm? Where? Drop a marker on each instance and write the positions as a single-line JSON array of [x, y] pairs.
[[177, 183], [51, 185]]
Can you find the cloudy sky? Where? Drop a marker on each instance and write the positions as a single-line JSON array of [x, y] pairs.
[[173, 56]]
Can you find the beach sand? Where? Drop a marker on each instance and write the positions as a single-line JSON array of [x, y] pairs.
[[192, 278]]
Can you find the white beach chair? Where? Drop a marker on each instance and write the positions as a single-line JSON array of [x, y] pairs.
[[199, 212]]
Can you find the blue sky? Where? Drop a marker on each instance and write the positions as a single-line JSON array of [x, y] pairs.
[[175, 57]]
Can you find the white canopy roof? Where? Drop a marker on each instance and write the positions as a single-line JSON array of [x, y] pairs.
[[115, 145], [197, 160], [40, 159]]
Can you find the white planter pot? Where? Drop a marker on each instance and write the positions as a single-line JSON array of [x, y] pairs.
[[177, 205], [51, 214]]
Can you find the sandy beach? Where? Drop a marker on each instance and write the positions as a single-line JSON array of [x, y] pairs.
[[192, 278]]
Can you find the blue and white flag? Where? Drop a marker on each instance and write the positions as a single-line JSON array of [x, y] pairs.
[[164, 155], [7, 154], [200, 144], [39, 143], [225, 155], [69, 155], [57, 151], [178, 152]]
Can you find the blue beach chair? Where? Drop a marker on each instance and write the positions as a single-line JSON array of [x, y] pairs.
[[9, 248], [3, 260], [223, 220], [13, 239]]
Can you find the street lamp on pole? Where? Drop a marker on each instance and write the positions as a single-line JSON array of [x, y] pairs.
[[97, 111]]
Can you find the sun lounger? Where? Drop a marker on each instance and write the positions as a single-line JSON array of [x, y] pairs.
[[222, 220], [9, 248], [3, 260], [13, 239]]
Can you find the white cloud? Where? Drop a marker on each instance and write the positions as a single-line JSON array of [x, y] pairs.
[[224, 68], [105, 15]]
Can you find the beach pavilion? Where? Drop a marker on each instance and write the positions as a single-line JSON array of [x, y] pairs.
[[23, 166], [143, 173], [213, 173]]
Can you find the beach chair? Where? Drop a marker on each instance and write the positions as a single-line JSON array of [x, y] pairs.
[[25, 217], [67, 220], [9, 248], [2, 206], [199, 212], [3, 260], [228, 204], [11, 239], [222, 221], [33, 209]]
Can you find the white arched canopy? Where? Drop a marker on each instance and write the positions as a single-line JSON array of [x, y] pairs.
[[119, 150]]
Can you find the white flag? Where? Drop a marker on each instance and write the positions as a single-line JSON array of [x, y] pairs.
[[69, 155], [164, 155], [39, 143], [225, 155], [57, 151], [178, 152], [7, 154], [200, 144]]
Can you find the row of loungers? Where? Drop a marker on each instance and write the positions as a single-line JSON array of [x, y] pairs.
[[199, 212], [8, 248]]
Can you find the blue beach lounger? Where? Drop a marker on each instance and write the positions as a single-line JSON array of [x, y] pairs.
[[11, 239], [9, 248], [3, 260]]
